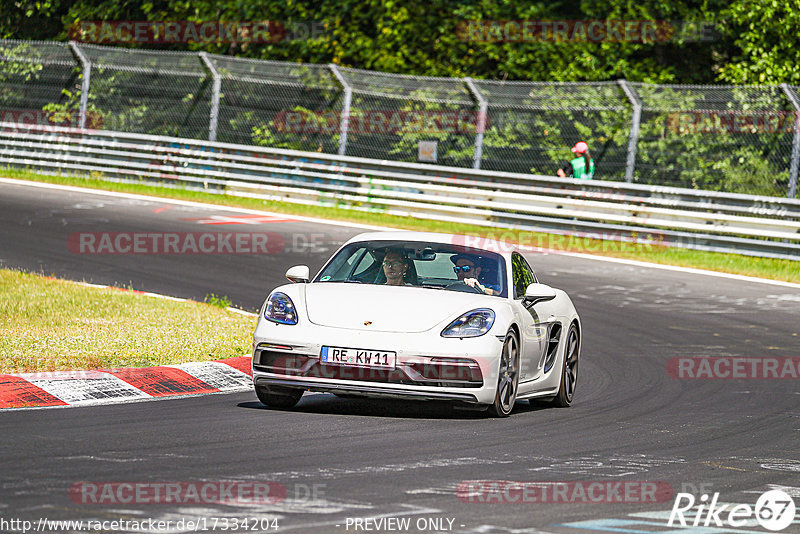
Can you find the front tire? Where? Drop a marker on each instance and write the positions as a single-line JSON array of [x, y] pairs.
[[278, 397], [569, 370], [508, 379]]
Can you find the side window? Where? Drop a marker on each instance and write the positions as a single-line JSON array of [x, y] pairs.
[[342, 264], [530, 270], [521, 275], [367, 262]]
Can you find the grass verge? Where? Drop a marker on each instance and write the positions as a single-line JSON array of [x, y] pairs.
[[785, 270], [48, 324]]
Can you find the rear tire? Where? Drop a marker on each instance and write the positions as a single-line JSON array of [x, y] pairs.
[[278, 397], [508, 379], [569, 370]]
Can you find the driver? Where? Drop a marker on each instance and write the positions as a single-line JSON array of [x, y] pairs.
[[468, 269], [395, 268]]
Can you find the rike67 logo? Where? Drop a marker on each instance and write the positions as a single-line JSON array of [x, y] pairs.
[[774, 510]]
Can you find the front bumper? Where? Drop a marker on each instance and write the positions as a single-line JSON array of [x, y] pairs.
[[428, 367], [365, 390]]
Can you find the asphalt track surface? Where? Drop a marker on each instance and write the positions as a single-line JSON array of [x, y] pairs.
[[343, 459]]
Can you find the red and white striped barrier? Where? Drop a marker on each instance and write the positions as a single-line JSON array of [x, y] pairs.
[[106, 386]]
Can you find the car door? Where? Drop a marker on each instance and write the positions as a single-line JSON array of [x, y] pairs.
[[534, 332]]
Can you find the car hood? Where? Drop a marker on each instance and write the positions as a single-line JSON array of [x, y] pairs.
[[379, 308]]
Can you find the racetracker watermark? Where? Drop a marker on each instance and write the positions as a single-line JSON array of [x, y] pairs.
[[38, 117], [588, 242], [201, 492], [567, 492], [373, 122], [210, 31], [250, 493], [774, 510], [732, 122], [195, 243], [615, 31], [734, 367], [363, 365]]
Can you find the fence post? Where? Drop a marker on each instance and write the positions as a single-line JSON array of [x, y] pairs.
[[792, 96], [86, 71], [483, 106], [216, 87], [344, 123], [636, 118]]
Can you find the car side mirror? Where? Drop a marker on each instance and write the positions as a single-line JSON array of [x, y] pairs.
[[538, 293], [299, 273]]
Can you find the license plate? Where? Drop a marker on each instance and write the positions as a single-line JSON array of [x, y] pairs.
[[376, 359]]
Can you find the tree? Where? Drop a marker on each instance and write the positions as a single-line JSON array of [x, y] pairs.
[[767, 42], [428, 37]]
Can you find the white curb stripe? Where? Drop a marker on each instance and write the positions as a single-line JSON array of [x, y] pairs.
[[217, 375], [102, 389]]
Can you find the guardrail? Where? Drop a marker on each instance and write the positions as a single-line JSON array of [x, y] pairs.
[[704, 220]]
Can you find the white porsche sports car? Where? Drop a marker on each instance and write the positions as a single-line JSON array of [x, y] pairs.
[[418, 316]]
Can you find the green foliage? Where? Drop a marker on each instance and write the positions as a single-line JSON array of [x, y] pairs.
[[767, 45], [219, 302], [427, 37], [31, 19], [281, 132]]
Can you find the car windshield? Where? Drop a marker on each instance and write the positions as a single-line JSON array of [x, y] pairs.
[[418, 264]]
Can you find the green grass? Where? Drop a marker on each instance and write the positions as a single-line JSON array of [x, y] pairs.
[[49, 325], [785, 270]]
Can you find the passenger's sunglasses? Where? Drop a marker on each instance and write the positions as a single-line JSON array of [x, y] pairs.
[[465, 268], [393, 264]]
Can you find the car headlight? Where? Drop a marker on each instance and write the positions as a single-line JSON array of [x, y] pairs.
[[280, 309], [472, 324]]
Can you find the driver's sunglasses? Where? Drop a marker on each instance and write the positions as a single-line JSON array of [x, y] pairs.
[[465, 268]]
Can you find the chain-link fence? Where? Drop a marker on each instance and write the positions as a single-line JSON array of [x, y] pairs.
[[35, 77], [391, 114], [729, 138], [721, 138], [145, 91], [532, 125], [277, 104]]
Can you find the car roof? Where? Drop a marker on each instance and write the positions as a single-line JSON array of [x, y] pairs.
[[481, 243]]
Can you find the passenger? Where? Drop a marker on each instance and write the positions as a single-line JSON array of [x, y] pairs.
[[468, 270], [396, 268]]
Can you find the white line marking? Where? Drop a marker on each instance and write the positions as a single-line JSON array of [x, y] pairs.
[[158, 296], [689, 270], [635, 263], [189, 203]]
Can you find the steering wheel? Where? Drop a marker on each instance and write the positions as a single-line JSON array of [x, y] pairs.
[[463, 287]]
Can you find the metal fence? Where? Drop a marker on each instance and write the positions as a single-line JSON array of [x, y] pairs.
[[718, 138], [584, 210]]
